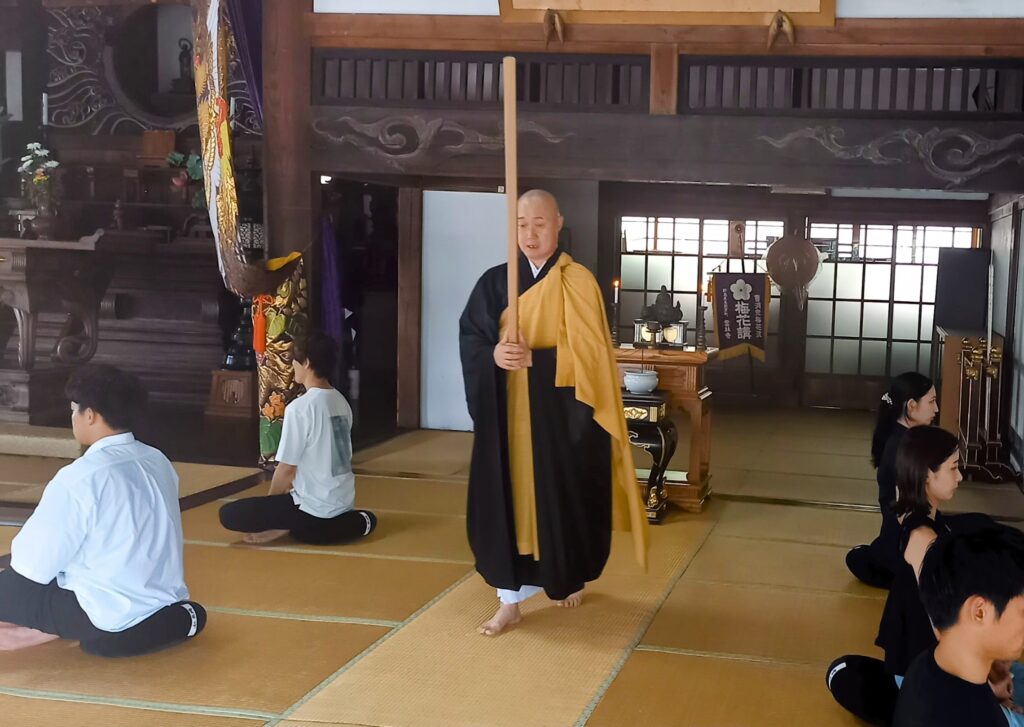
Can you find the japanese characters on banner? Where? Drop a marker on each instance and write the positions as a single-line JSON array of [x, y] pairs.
[[740, 305]]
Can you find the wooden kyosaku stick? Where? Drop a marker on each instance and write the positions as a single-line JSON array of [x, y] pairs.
[[508, 68]]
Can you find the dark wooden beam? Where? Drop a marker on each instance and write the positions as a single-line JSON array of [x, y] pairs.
[[410, 300], [793, 151], [286, 90], [960, 37], [664, 78]]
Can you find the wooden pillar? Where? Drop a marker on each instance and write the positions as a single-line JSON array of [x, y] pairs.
[[410, 303], [286, 119], [664, 79]]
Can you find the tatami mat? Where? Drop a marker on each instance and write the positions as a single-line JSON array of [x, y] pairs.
[[379, 493], [23, 479], [544, 672], [35, 441], [797, 524], [774, 563], [25, 471], [245, 663], [760, 622], [7, 534], [424, 453], [314, 583], [411, 495], [201, 477], [398, 534], [34, 712], [673, 690]]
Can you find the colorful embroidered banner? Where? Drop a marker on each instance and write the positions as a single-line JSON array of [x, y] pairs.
[[740, 304]]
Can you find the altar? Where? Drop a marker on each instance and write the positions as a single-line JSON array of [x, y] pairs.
[[681, 378], [37, 276]]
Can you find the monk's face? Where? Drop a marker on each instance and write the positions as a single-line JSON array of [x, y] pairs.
[[539, 225]]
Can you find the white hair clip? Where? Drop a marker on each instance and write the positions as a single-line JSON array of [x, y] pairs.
[[887, 399]]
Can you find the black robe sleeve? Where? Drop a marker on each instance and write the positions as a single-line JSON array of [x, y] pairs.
[[479, 331]]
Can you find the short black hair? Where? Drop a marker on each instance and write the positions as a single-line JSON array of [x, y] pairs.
[[986, 562], [116, 395], [318, 351], [922, 450]]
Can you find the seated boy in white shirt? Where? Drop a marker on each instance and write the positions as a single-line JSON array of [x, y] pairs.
[[100, 559], [313, 490]]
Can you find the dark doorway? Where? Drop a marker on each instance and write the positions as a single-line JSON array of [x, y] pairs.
[[358, 283]]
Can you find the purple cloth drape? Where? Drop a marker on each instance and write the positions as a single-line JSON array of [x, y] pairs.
[[246, 17], [332, 309]]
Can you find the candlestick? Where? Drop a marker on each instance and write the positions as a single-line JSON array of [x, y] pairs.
[[615, 313], [988, 332]]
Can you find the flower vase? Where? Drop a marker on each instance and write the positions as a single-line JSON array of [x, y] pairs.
[[44, 224]]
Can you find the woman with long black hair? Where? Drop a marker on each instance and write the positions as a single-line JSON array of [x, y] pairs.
[[909, 402], [927, 466]]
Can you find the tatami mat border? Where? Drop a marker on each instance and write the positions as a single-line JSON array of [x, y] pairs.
[[369, 650], [207, 711]]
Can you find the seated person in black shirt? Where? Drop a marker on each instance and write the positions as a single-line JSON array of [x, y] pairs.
[[972, 586]]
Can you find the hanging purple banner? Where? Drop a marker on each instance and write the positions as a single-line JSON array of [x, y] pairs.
[[740, 305]]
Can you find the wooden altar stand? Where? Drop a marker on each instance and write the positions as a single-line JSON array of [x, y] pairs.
[[681, 376]]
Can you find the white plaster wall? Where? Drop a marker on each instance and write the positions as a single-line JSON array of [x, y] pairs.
[[408, 7], [930, 9], [464, 234], [844, 8]]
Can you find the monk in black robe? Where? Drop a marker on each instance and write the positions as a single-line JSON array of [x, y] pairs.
[[551, 471]]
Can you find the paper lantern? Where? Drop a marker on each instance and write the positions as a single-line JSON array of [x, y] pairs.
[[792, 263]]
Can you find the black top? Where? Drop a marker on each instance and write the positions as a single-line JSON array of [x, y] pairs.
[[905, 629], [930, 697], [886, 474]]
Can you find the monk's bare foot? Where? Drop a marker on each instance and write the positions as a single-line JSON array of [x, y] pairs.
[[506, 615], [263, 538], [572, 601]]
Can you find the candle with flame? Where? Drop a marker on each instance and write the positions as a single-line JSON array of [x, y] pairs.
[[615, 285]]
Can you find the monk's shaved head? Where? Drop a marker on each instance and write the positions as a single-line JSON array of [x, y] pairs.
[[540, 196], [539, 225]]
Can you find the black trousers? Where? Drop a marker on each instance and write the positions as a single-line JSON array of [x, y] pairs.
[[54, 610], [862, 686], [876, 564], [279, 512]]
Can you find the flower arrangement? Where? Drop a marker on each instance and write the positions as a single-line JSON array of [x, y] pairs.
[[41, 182], [191, 175]]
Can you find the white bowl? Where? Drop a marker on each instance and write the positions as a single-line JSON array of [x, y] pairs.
[[641, 382]]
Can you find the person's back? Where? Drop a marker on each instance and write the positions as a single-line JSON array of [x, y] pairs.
[[931, 697], [972, 587], [318, 441], [100, 559], [111, 522], [312, 495]]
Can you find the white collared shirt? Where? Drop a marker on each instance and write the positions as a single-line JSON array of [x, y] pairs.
[[534, 268], [108, 528]]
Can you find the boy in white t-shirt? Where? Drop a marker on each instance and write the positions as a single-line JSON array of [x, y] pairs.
[[100, 560], [313, 491]]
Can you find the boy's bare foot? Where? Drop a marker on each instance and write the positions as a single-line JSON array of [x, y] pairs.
[[13, 638], [506, 615], [572, 601], [263, 538]]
